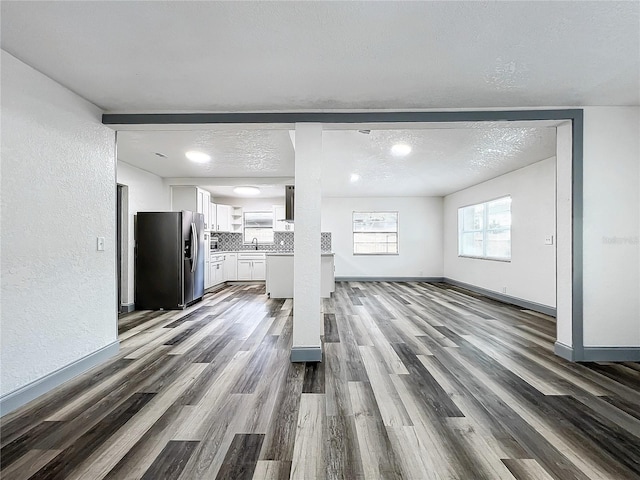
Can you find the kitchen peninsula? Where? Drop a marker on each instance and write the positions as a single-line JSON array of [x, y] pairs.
[[279, 278]]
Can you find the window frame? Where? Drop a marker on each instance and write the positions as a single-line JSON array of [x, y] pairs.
[[244, 228], [373, 212], [485, 230]]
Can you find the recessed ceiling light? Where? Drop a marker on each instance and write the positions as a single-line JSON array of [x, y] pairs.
[[198, 157], [246, 190], [355, 177], [400, 149]]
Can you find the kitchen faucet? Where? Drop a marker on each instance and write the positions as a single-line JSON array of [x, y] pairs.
[[256, 240]]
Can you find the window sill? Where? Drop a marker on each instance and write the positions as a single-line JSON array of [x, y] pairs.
[[503, 260]]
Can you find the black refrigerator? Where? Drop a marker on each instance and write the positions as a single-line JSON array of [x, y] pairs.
[[169, 263]]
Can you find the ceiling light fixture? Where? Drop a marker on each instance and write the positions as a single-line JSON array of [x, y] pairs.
[[198, 157], [246, 190], [354, 177], [400, 149]]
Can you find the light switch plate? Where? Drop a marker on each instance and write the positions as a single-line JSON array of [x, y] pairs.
[[100, 244], [548, 240]]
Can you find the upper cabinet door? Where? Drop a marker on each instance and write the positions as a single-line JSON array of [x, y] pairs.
[[212, 216], [203, 201], [223, 218], [199, 201], [278, 218], [279, 225]]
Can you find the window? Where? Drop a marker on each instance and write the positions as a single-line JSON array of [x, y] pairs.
[[375, 233], [258, 225], [485, 230]]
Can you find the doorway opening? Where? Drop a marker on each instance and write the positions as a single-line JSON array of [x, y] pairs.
[[568, 122], [122, 247]]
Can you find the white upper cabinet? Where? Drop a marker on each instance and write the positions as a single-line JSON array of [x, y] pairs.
[[223, 218], [220, 218], [193, 199], [279, 225], [205, 198], [213, 216]]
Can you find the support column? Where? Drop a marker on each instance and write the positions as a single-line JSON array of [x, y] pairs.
[[564, 345], [306, 255]]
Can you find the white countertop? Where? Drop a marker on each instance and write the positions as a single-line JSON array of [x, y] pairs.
[[266, 252], [285, 254]]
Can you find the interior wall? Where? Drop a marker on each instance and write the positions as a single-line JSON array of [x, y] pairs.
[[611, 226], [146, 193], [420, 236], [531, 274], [58, 195], [250, 204]]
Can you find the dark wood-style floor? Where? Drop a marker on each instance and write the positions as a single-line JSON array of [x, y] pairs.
[[419, 381]]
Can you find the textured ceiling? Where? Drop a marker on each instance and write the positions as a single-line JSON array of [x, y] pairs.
[[234, 153], [442, 160], [137, 56]]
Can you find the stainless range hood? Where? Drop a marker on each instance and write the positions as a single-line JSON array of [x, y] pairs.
[[289, 194]]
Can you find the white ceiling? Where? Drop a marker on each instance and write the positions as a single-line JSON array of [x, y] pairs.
[[139, 56], [235, 153], [442, 160], [211, 56]]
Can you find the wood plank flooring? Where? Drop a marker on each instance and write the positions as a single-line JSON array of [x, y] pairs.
[[418, 381]]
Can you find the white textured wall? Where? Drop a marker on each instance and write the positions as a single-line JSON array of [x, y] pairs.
[[531, 274], [146, 193], [420, 236], [58, 195], [611, 226]]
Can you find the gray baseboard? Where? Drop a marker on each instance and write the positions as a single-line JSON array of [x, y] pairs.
[[520, 302], [610, 354], [598, 354], [306, 354], [536, 307], [127, 307], [390, 279], [25, 394], [563, 351]]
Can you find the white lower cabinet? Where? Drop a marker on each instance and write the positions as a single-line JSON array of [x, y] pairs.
[[231, 266], [216, 270], [251, 266], [217, 273], [207, 273], [244, 269], [259, 270], [240, 266]]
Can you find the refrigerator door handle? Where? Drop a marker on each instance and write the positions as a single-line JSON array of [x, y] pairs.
[[194, 247]]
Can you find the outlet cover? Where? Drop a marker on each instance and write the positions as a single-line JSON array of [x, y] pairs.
[[548, 240]]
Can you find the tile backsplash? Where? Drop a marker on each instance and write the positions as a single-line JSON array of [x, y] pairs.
[[325, 241], [233, 242]]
